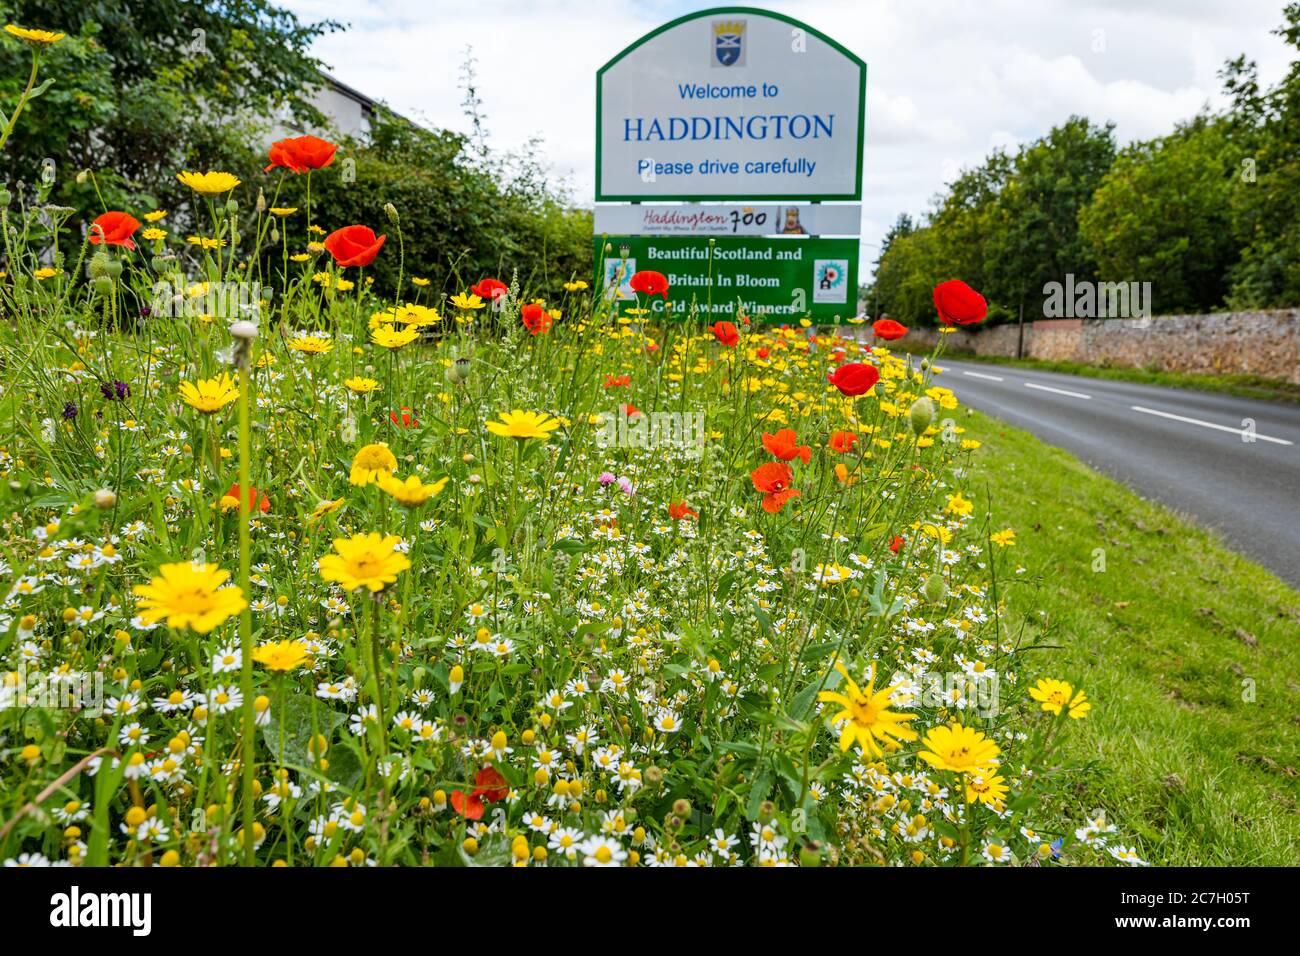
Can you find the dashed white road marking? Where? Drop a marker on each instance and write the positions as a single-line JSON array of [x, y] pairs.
[[1058, 391], [991, 378], [1203, 424]]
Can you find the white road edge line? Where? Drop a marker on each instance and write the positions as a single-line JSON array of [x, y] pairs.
[[991, 378], [1197, 421], [1058, 391]]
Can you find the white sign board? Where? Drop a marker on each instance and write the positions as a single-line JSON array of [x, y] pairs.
[[731, 104], [695, 219]]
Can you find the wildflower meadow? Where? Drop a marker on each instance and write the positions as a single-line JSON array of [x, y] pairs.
[[304, 571]]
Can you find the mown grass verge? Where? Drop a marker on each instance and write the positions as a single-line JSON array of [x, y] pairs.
[[1188, 649]]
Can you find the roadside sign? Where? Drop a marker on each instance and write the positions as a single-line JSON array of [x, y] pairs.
[[695, 219], [770, 280], [731, 103]]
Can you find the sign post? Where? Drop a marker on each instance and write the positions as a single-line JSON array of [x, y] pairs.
[[741, 131]]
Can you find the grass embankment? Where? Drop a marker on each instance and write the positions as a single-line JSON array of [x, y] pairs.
[[1244, 386], [1189, 650]]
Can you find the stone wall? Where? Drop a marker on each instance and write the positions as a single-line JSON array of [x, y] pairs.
[[1264, 343]]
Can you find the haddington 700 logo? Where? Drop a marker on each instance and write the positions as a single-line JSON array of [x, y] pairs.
[[728, 43]]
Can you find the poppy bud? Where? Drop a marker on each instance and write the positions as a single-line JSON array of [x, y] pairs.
[[261, 201], [275, 235], [103, 285], [391, 211], [232, 207], [159, 263], [6, 197], [935, 589], [810, 854], [922, 414], [458, 371], [99, 264]]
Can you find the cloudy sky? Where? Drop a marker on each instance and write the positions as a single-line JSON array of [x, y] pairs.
[[947, 79]]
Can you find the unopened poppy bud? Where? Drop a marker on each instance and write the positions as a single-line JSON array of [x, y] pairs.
[[935, 589], [6, 197], [810, 854], [458, 371], [99, 264], [391, 211], [261, 201], [232, 207], [922, 414], [103, 285]]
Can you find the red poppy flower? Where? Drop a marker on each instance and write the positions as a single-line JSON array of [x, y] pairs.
[[652, 347], [895, 543], [785, 445], [621, 381], [114, 229], [763, 353], [725, 332], [407, 419], [629, 410], [536, 319], [680, 510], [469, 807], [888, 329], [354, 245], [843, 442], [959, 304], [773, 480], [255, 502], [649, 283], [837, 357], [490, 785], [301, 153], [856, 378], [489, 289]]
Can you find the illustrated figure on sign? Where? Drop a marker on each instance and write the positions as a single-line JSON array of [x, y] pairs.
[[792, 227], [830, 278]]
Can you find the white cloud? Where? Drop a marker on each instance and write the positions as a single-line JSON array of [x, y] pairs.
[[947, 79]]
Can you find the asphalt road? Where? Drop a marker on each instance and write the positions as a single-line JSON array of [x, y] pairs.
[[1180, 447]]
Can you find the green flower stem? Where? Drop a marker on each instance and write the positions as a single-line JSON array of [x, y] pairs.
[[248, 725]]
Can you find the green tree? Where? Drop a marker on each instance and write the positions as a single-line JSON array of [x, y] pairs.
[[142, 88], [1265, 200], [1163, 214]]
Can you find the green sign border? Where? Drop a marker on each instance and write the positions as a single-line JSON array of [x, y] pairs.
[[755, 11]]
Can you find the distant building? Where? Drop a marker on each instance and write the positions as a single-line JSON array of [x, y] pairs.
[[348, 110]]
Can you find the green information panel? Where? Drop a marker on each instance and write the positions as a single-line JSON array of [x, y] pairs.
[[771, 279]]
